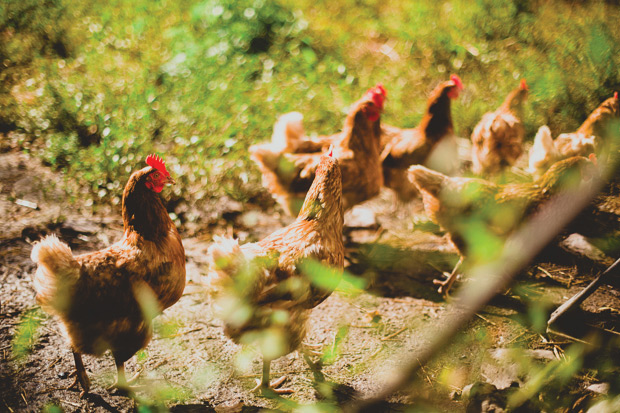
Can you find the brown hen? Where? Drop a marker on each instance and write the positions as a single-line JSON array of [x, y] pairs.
[[479, 215], [588, 138], [497, 140], [268, 289], [402, 148], [289, 174], [107, 299]]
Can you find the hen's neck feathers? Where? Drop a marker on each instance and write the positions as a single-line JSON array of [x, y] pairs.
[[142, 210], [360, 134], [323, 201], [597, 120], [437, 121], [514, 100]]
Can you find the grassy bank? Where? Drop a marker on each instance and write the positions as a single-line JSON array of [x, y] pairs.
[[92, 87]]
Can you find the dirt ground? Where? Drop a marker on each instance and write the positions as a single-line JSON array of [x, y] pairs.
[[190, 365]]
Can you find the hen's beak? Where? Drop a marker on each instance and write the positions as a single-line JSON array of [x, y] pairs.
[[170, 180]]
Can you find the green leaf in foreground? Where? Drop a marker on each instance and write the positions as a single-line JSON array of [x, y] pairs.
[[27, 332]]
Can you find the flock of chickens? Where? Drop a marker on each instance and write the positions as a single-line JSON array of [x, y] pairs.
[[106, 300]]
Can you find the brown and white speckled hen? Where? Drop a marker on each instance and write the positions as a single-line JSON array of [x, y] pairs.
[[402, 148], [479, 215], [267, 290], [589, 138], [107, 299], [497, 140], [288, 169]]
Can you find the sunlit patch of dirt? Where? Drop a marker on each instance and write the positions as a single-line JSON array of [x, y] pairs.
[[190, 365]]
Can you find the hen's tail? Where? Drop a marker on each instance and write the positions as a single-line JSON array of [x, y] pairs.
[[427, 180], [288, 131], [543, 150], [225, 259], [287, 134], [57, 272]]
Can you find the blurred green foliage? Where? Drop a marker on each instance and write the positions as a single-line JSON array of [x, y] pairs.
[[92, 87], [27, 333], [52, 408]]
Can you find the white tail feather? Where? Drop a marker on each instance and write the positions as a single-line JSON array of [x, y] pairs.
[[57, 271], [543, 150], [288, 131], [225, 258]]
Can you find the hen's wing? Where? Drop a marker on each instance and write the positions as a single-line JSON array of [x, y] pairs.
[[497, 141], [409, 148], [101, 298], [288, 284], [575, 144]]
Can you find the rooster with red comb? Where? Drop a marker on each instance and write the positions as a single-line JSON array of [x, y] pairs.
[[106, 300]]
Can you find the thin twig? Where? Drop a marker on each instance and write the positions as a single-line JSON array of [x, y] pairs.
[[6, 274], [7, 406], [51, 389], [54, 362], [555, 343], [159, 364], [182, 333], [426, 375], [486, 319], [516, 338], [381, 347], [547, 273], [271, 374], [71, 403], [393, 334]]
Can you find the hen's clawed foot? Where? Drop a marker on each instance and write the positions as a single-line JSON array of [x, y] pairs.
[[274, 386], [444, 286], [312, 348], [81, 377], [77, 383], [122, 385]]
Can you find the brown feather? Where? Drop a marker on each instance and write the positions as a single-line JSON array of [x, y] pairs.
[[103, 292], [497, 140], [289, 175], [462, 206], [402, 148], [276, 281]]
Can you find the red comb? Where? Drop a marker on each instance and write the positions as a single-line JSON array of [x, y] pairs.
[[330, 151], [523, 85], [380, 89], [457, 81], [377, 94], [616, 95], [157, 163], [592, 158]]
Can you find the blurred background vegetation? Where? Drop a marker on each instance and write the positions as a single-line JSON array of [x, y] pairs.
[[92, 87]]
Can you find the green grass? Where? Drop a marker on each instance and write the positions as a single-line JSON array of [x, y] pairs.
[[93, 87]]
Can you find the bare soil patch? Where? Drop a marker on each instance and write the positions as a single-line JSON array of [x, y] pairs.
[[190, 365]]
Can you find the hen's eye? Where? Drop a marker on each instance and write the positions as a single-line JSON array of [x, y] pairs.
[[156, 175]]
